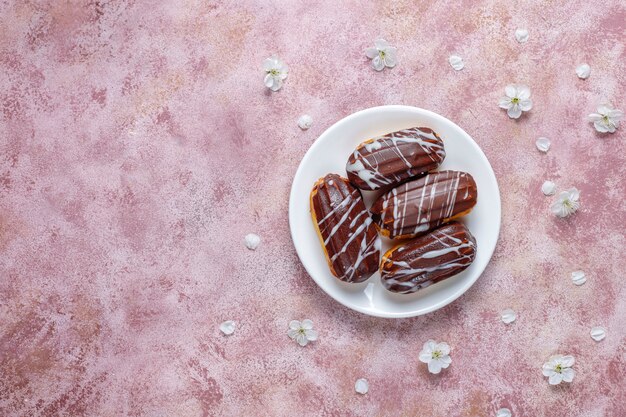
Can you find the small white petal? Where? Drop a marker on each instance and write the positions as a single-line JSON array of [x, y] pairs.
[[514, 112], [548, 188], [594, 117], [503, 412], [555, 378], [445, 361], [311, 335], [567, 361], [505, 103], [425, 356], [269, 80], [292, 333], [598, 333], [526, 104], [294, 325], [301, 339], [391, 57], [510, 90], [377, 63], [523, 92], [568, 374], [361, 386], [278, 83], [543, 144], [434, 366], [456, 62], [444, 348], [521, 35], [252, 241], [371, 52], [508, 316], [601, 126], [583, 71], [381, 44], [307, 324], [579, 278], [228, 327], [305, 121]]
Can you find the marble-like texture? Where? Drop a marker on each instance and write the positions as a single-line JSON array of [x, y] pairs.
[[138, 146]]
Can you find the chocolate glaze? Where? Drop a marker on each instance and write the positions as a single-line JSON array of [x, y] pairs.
[[388, 160], [428, 259], [418, 206], [349, 237]]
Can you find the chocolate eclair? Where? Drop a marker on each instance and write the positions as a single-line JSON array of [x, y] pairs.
[[388, 160], [418, 206], [428, 259], [349, 238]]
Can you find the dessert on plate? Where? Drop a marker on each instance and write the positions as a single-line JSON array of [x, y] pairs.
[[345, 228]]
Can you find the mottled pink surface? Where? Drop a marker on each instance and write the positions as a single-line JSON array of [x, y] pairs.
[[138, 146]]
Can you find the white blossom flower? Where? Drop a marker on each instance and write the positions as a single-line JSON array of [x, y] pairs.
[[583, 71], [382, 55], [252, 241], [503, 412], [228, 327], [305, 121], [275, 72], [508, 316], [548, 188], [302, 332], [361, 386], [558, 369], [566, 203], [456, 62], [516, 101], [521, 35], [606, 119], [543, 144], [436, 355], [598, 333]]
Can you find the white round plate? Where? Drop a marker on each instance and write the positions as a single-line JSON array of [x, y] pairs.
[[330, 152]]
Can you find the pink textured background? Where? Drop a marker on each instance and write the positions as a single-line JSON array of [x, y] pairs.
[[138, 146]]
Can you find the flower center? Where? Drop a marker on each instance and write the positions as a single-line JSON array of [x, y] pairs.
[[437, 354], [568, 204], [558, 368], [301, 331], [382, 54], [515, 100], [273, 72], [605, 119]]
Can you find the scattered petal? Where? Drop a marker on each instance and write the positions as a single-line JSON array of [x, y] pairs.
[[579, 278], [503, 412], [305, 121], [228, 327], [543, 144], [548, 188], [252, 241], [508, 316], [583, 71], [598, 333], [361, 386], [521, 35], [456, 62]]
